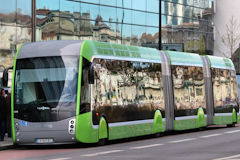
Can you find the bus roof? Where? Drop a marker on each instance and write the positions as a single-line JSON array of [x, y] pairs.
[[220, 62], [186, 59], [49, 48], [93, 49]]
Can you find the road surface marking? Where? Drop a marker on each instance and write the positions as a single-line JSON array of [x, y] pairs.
[[211, 135], [147, 146], [229, 158], [235, 131], [61, 158], [182, 140], [101, 153]]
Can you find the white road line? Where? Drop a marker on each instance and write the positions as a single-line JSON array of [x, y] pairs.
[[147, 146], [229, 158], [235, 131], [211, 135], [101, 153], [182, 140], [61, 158]]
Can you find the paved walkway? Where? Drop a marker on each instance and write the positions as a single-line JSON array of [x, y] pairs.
[[6, 144]]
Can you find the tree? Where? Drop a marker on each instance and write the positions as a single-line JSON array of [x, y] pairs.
[[189, 46], [201, 45], [196, 46], [231, 38]]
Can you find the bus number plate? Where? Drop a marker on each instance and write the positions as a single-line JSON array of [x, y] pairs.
[[44, 140]]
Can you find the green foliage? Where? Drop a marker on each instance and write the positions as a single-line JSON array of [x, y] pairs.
[[196, 46], [201, 45]]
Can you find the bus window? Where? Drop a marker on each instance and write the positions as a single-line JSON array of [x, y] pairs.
[[114, 90], [234, 88], [46, 88], [224, 84], [85, 89], [238, 84], [126, 91], [149, 87], [189, 91]]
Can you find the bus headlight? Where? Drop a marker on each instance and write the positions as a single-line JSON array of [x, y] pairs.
[[16, 127], [71, 126]]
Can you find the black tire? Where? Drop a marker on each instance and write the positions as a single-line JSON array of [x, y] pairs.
[[102, 142], [231, 125], [202, 128], [159, 134]]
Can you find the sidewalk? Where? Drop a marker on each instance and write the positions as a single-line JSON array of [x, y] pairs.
[[6, 144]]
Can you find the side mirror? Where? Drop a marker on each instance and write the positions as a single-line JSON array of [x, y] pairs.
[[91, 74], [5, 76]]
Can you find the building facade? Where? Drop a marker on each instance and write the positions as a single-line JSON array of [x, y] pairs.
[[186, 24], [226, 14]]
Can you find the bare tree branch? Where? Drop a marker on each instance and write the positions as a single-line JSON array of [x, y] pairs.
[[231, 38]]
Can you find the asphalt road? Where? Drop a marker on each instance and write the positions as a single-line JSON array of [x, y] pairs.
[[215, 143]]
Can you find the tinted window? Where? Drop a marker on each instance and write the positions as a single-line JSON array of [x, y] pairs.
[[126, 91], [85, 88], [224, 90], [46, 88], [189, 91]]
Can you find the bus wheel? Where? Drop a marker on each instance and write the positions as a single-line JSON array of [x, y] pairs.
[[159, 134], [102, 142], [103, 132], [231, 125], [202, 128]]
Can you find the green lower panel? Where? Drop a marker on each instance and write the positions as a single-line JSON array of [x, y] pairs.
[[218, 120], [234, 117], [130, 131], [164, 126], [185, 124], [202, 123], [84, 131]]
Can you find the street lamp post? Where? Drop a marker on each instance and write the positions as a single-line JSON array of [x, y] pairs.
[[33, 20], [160, 25]]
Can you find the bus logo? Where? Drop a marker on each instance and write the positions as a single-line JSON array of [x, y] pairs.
[[43, 108]]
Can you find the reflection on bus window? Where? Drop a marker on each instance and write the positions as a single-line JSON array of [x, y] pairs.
[[238, 84], [127, 91], [85, 89], [46, 88], [224, 90], [189, 90]]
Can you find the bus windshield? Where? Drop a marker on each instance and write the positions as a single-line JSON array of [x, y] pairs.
[[46, 88]]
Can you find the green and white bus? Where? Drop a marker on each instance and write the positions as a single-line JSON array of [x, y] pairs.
[[90, 92]]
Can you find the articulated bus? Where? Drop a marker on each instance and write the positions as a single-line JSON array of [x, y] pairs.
[[90, 92]]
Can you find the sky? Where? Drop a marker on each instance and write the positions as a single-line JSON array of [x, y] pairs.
[[9, 6], [107, 12]]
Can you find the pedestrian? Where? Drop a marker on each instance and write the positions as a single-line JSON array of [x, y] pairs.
[[3, 114], [8, 100]]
